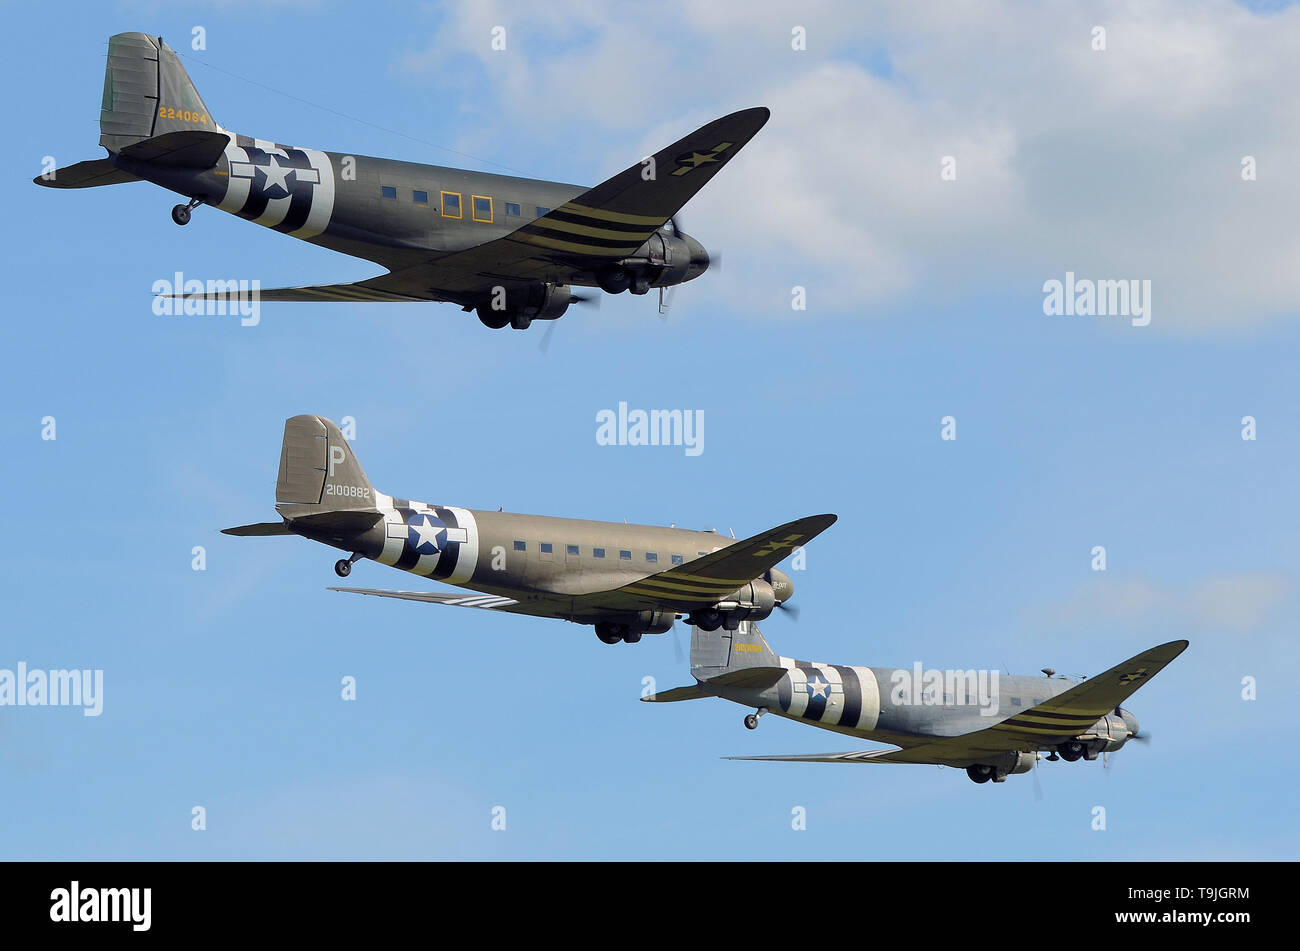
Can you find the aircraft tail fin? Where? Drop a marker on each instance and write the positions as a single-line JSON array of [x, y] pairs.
[[319, 472], [722, 652], [147, 93]]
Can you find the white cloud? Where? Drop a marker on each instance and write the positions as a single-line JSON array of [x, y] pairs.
[[1115, 164], [1235, 604]]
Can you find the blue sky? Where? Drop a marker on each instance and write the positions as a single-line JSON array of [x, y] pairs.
[[222, 685]]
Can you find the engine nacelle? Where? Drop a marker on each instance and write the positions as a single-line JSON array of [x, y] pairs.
[[652, 622], [753, 602], [524, 305]]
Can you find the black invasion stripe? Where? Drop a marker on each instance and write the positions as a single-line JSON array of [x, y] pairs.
[[576, 218], [1090, 717], [406, 561], [1065, 729], [852, 696], [601, 243], [255, 204], [303, 192], [682, 587], [450, 555], [816, 704]]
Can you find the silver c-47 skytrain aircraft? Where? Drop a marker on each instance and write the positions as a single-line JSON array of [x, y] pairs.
[[509, 248], [945, 721], [627, 580]]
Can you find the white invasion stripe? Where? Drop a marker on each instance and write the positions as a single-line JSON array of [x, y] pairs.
[[276, 209], [237, 188], [394, 541], [798, 692], [242, 169], [870, 714], [322, 195], [468, 559]]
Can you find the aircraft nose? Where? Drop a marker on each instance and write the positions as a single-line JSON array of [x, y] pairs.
[[699, 258]]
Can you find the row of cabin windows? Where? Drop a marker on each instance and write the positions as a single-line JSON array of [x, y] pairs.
[[624, 554], [481, 206]]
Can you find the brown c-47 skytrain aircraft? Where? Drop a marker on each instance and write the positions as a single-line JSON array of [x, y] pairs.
[[627, 580], [509, 248]]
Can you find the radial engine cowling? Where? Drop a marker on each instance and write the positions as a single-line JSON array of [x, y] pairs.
[[652, 622], [519, 307], [753, 602]]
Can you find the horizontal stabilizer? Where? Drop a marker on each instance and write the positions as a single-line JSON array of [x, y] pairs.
[[754, 678], [187, 149], [88, 174], [258, 529], [692, 692], [344, 520]]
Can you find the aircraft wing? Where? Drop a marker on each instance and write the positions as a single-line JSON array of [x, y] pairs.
[[709, 578], [603, 224], [1046, 724], [609, 222], [487, 602]]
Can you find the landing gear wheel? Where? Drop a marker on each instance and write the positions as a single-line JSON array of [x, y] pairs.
[[521, 321], [608, 633], [343, 567], [492, 319], [1070, 752], [979, 774], [181, 214], [708, 621], [631, 637], [751, 722]]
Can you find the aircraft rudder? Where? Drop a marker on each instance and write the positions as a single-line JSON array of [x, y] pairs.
[[147, 93]]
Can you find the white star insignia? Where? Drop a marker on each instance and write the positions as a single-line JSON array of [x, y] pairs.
[[275, 174], [427, 533]]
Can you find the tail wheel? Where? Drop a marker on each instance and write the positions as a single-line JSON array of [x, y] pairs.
[[343, 567]]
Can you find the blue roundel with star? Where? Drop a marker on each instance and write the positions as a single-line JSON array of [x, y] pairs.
[[426, 534]]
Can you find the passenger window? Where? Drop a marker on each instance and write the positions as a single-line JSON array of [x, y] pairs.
[[546, 548], [624, 555], [451, 204], [542, 211], [521, 546], [598, 553], [677, 559], [651, 556], [570, 549], [421, 198], [388, 191], [512, 208], [482, 208]]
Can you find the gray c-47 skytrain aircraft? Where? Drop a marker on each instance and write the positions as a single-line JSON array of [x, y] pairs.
[[509, 248], [946, 721], [627, 580]]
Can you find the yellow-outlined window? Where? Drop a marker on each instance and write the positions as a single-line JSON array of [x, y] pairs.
[[451, 205], [475, 209]]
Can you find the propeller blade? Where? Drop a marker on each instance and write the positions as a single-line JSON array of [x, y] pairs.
[[790, 609], [545, 343]]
